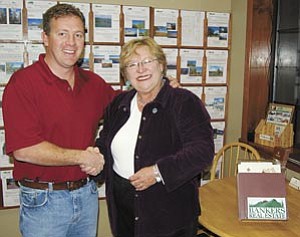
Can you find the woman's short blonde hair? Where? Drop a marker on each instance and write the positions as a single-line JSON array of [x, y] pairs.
[[131, 46]]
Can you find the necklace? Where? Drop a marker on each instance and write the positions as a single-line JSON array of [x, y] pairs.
[[142, 102]]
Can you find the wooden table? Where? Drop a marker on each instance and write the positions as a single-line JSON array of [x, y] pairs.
[[220, 213]]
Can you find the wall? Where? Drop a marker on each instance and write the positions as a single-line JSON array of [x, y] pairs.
[[9, 218], [236, 80], [205, 5]]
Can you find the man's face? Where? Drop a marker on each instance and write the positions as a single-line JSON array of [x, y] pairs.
[[65, 42]]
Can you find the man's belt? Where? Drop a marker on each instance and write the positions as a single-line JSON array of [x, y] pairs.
[[69, 185]]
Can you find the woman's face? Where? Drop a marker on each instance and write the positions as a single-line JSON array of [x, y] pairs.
[[144, 71]]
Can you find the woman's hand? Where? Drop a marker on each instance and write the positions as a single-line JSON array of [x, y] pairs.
[[143, 179]]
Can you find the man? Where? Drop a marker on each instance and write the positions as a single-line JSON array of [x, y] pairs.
[[51, 111]]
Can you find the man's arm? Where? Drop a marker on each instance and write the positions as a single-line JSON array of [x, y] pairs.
[[173, 82], [48, 154]]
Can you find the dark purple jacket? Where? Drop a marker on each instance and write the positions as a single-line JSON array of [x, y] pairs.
[[176, 134]]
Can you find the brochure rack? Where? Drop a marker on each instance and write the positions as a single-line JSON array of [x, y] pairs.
[[277, 129], [265, 134]]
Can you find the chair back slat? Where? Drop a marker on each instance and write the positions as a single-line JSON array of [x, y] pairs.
[[227, 159]]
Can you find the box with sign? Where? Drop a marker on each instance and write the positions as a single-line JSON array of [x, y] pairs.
[[277, 129]]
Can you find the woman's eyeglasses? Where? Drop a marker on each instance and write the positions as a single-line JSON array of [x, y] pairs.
[[144, 63]]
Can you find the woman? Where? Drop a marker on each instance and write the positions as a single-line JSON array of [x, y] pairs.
[[156, 140]]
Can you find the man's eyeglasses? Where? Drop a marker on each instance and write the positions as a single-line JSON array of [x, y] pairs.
[[144, 63]]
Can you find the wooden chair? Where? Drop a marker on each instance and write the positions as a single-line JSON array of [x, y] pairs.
[[228, 156], [231, 154]]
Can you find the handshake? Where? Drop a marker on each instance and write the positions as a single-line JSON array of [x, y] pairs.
[[92, 161]]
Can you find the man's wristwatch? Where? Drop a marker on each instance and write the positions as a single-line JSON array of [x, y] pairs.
[[156, 174]]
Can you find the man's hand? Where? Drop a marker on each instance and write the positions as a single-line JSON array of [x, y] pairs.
[[92, 161], [173, 82]]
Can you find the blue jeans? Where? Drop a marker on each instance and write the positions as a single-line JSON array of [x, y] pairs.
[[59, 213]]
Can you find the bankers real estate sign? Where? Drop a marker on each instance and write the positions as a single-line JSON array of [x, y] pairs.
[[267, 208]]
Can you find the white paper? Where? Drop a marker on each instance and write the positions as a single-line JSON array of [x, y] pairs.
[[116, 87], [33, 52], [216, 70], [1, 118], [215, 101], [11, 19], [191, 66], [258, 167], [165, 26], [192, 28], [85, 58], [218, 28], [35, 10], [10, 191], [5, 160], [1, 92], [101, 190], [205, 177], [280, 115], [219, 128], [136, 22], [171, 56], [107, 62], [197, 90], [85, 9], [106, 23], [218, 169], [11, 60]]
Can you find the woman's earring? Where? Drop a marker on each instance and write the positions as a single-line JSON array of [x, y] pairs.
[[128, 85]]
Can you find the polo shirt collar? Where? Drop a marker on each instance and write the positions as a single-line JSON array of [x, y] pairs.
[[80, 78]]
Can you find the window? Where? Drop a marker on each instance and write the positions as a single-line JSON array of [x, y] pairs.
[[285, 86]]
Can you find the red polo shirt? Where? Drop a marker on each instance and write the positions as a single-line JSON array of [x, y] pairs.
[[38, 106]]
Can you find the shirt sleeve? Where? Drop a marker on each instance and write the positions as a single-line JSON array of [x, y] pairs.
[[21, 121], [197, 145]]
